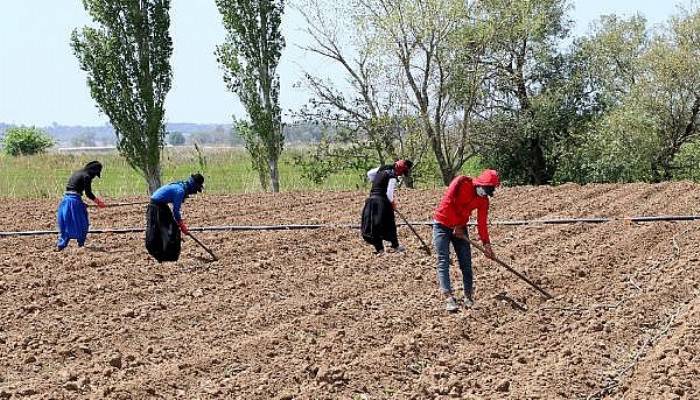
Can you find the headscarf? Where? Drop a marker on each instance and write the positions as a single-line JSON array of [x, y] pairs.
[[94, 168], [195, 183], [403, 167]]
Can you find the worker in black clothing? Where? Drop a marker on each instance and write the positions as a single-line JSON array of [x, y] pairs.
[[73, 221], [378, 221]]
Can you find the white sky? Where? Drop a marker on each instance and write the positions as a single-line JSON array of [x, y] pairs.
[[41, 83]]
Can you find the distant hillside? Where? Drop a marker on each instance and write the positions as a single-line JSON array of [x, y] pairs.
[[207, 134]]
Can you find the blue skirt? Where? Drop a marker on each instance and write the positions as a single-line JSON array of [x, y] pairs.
[[73, 222]]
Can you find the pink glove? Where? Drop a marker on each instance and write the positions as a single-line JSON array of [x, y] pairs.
[[183, 227], [100, 203]]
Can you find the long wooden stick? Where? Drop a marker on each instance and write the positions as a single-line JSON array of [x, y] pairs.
[[425, 246], [509, 268], [110, 205], [211, 253]]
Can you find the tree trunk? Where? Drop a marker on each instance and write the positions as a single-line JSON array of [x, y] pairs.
[[274, 176], [655, 175], [153, 179], [264, 181], [447, 174], [539, 176], [263, 175]]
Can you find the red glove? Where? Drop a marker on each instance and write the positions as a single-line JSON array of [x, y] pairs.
[[100, 203], [488, 251], [460, 232], [183, 227]]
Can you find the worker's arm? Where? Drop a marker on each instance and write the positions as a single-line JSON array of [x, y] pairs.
[[178, 198], [482, 226], [87, 183], [390, 189], [372, 173]]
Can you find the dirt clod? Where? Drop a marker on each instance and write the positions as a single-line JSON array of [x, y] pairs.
[[503, 386], [116, 361]]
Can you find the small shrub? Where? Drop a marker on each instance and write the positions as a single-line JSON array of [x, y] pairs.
[[26, 141]]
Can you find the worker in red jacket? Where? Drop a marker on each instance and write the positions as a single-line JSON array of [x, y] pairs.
[[463, 196]]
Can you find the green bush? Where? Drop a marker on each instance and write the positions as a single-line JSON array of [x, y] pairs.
[[687, 162], [26, 141], [617, 148]]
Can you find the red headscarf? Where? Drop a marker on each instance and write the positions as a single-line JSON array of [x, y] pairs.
[[401, 167]]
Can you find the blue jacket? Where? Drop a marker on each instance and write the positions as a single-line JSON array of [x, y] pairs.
[[173, 193]]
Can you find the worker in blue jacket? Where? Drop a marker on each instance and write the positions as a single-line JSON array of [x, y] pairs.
[[164, 227]]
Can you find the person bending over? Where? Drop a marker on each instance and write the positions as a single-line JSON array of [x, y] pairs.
[[164, 227], [72, 215], [378, 221], [463, 196]]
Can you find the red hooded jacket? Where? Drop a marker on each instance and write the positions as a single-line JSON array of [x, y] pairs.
[[461, 199]]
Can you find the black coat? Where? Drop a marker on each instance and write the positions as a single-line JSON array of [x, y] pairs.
[[378, 221]]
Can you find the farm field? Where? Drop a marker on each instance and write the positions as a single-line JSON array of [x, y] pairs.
[[315, 315]]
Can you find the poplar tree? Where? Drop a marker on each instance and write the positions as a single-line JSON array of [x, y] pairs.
[[250, 56], [127, 60]]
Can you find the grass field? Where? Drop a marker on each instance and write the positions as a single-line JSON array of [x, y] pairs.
[[226, 171]]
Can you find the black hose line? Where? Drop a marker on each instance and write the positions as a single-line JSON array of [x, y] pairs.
[[290, 227]]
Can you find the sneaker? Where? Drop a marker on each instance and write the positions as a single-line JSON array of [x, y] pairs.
[[399, 249], [451, 304], [468, 302]]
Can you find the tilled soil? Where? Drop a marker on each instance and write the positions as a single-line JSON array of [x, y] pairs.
[[315, 315]]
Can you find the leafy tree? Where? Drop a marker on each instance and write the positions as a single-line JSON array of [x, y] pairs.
[[250, 57], [532, 94], [176, 138], [609, 64], [372, 121], [648, 97], [610, 58], [24, 141], [437, 47], [670, 90], [256, 149], [404, 98], [602, 152], [127, 60]]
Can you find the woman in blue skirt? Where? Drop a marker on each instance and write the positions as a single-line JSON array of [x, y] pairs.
[[73, 222]]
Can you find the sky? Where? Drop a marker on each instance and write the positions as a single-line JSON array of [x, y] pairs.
[[42, 84]]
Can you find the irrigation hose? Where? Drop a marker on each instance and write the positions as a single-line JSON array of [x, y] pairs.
[[288, 227]]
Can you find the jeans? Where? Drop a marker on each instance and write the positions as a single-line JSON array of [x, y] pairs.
[[442, 236]]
